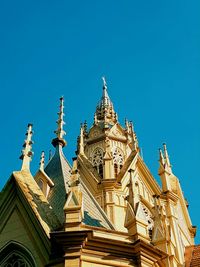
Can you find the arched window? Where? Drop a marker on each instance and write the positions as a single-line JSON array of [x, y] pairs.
[[118, 160], [97, 161], [15, 255], [150, 221]]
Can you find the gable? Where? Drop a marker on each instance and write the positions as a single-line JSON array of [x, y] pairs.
[[144, 183], [17, 225], [117, 131], [95, 131]]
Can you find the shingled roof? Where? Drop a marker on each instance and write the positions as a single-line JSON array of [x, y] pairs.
[[93, 213], [35, 198], [58, 169]]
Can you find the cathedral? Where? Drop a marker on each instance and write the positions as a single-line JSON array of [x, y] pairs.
[[106, 210]]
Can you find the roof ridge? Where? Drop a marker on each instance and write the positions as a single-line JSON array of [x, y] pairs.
[[36, 199], [62, 163]]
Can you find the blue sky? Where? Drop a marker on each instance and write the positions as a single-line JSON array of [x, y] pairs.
[[148, 51]]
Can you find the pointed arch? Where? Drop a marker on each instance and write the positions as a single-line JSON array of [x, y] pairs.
[[118, 160], [97, 160], [15, 254]]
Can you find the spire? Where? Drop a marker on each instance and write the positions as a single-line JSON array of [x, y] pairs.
[[27, 151], [165, 171], [164, 160], [60, 122], [134, 136], [105, 111], [105, 98], [81, 140], [127, 125], [42, 161]]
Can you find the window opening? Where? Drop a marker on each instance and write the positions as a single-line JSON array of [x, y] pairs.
[[97, 161], [118, 160]]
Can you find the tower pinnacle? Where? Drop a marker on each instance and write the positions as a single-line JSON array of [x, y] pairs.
[[105, 111], [60, 122], [166, 156], [26, 152], [164, 160], [161, 157]]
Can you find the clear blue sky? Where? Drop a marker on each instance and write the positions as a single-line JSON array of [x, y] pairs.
[[148, 50]]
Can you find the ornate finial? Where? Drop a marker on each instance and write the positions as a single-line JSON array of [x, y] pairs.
[[42, 161], [81, 140], [26, 152], [60, 122], [126, 125], [166, 156], [134, 137], [161, 157], [105, 98]]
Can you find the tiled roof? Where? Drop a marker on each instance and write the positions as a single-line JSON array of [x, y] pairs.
[[192, 256], [58, 169], [37, 200], [93, 213]]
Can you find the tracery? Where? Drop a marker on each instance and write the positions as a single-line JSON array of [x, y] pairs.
[[97, 161], [118, 160]]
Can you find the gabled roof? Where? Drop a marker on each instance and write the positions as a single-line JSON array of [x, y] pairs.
[[41, 172], [36, 199], [58, 169]]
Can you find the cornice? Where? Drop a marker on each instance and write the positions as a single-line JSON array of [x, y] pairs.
[[169, 195], [110, 242]]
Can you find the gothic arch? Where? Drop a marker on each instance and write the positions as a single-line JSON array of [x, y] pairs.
[[14, 254], [118, 160], [97, 160]]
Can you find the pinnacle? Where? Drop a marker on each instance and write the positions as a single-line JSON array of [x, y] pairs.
[[27, 151], [105, 111], [60, 122]]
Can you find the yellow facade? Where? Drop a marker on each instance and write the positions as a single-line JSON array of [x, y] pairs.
[[106, 210]]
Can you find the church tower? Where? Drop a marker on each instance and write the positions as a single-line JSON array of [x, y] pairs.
[[103, 153], [110, 164]]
